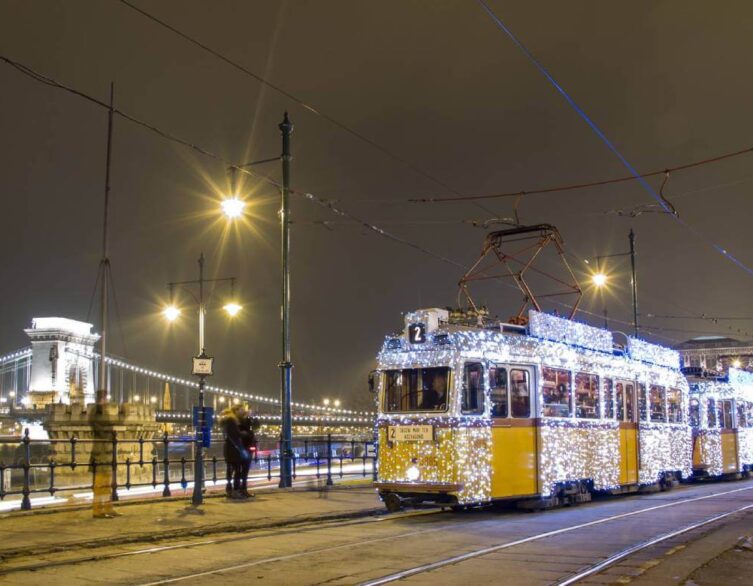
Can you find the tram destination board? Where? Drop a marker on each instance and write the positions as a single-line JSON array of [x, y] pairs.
[[410, 433]]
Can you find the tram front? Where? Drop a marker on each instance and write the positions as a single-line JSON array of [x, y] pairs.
[[434, 441]]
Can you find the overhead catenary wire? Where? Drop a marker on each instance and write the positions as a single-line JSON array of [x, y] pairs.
[[327, 204], [582, 113]]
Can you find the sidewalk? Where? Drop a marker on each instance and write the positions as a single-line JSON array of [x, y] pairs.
[[44, 531]]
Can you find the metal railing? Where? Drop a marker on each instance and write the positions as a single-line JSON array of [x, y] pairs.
[[29, 466]]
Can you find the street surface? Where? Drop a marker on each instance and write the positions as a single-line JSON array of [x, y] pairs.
[[432, 547]]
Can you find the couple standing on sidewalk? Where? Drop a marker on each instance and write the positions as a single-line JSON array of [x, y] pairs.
[[240, 444]]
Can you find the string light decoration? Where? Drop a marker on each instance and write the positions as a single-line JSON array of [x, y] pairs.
[[737, 388], [570, 448]]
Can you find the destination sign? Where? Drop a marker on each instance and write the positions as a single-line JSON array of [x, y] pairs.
[[410, 433]]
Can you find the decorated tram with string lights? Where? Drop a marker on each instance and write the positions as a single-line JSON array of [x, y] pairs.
[[721, 415], [542, 414]]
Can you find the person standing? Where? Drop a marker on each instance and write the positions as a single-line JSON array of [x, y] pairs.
[[248, 427], [237, 457]]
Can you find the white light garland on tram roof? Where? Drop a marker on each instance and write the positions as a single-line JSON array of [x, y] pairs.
[[653, 353], [572, 333]]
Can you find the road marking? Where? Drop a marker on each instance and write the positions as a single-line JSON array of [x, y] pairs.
[[487, 550], [611, 560]]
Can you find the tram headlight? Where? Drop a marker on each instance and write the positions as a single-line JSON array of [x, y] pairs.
[[412, 473]]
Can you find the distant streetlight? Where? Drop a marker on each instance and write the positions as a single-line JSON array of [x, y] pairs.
[[736, 363], [202, 363], [233, 207], [337, 402], [599, 280], [137, 398], [325, 401], [171, 313], [152, 400]]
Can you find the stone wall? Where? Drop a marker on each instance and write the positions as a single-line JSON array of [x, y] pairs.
[[94, 427]]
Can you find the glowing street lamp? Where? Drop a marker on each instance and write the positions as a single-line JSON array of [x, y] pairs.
[[737, 363], [171, 313], [232, 207], [232, 309], [337, 402], [599, 279], [325, 401]]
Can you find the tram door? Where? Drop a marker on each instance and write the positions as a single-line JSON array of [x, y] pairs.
[[627, 415], [514, 432], [729, 438]]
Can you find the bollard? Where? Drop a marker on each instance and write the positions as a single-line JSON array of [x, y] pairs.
[[26, 501], [114, 465], [128, 474], [74, 439], [166, 466], [329, 460], [269, 467], [294, 458], [306, 450], [154, 471]]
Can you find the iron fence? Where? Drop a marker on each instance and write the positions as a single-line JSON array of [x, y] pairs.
[[66, 466]]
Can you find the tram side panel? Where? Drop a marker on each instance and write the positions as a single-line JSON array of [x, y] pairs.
[[664, 447], [579, 450], [745, 444], [514, 458]]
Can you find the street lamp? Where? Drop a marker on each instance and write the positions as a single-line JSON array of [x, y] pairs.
[[337, 403], [286, 365], [202, 364], [325, 401], [599, 280], [232, 207]]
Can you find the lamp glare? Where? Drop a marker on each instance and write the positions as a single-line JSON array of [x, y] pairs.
[[599, 279], [171, 313], [232, 309], [232, 208]]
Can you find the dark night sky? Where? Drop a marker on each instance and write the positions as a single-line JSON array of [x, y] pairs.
[[435, 83]]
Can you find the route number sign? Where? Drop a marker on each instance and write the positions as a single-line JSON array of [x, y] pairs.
[[417, 333]]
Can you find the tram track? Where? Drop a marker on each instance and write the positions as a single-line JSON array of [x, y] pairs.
[[260, 534], [548, 534], [434, 522]]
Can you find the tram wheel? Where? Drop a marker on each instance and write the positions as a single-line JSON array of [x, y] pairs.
[[393, 502], [457, 508]]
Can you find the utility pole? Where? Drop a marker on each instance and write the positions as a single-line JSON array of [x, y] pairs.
[[631, 236], [198, 477], [286, 429], [104, 266]]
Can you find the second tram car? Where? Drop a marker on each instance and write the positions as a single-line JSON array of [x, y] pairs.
[[542, 415], [721, 415]]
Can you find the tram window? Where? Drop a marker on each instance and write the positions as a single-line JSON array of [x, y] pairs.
[[473, 389], [642, 402], [619, 397], [741, 418], [711, 412], [586, 395], [727, 422], [749, 411], [608, 399], [413, 389], [674, 406], [657, 399], [556, 390], [694, 413], [630, 403], [498, 387], [520, 389]]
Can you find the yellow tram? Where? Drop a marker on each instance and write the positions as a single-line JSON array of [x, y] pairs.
[[542, 415], [721, 415]]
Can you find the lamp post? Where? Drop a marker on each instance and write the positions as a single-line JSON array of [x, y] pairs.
[[202, 363], [232, 207], [599, 279]]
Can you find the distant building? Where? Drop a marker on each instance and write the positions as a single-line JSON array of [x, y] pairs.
[[716, 353]]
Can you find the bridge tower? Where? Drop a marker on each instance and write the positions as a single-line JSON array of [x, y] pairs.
[[60, 348]]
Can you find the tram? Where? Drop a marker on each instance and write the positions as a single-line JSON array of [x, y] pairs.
[[721, 415], [543, 414]]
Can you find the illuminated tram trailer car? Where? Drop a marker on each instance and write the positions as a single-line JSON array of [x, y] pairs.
[[542, 415], [721, 415]]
